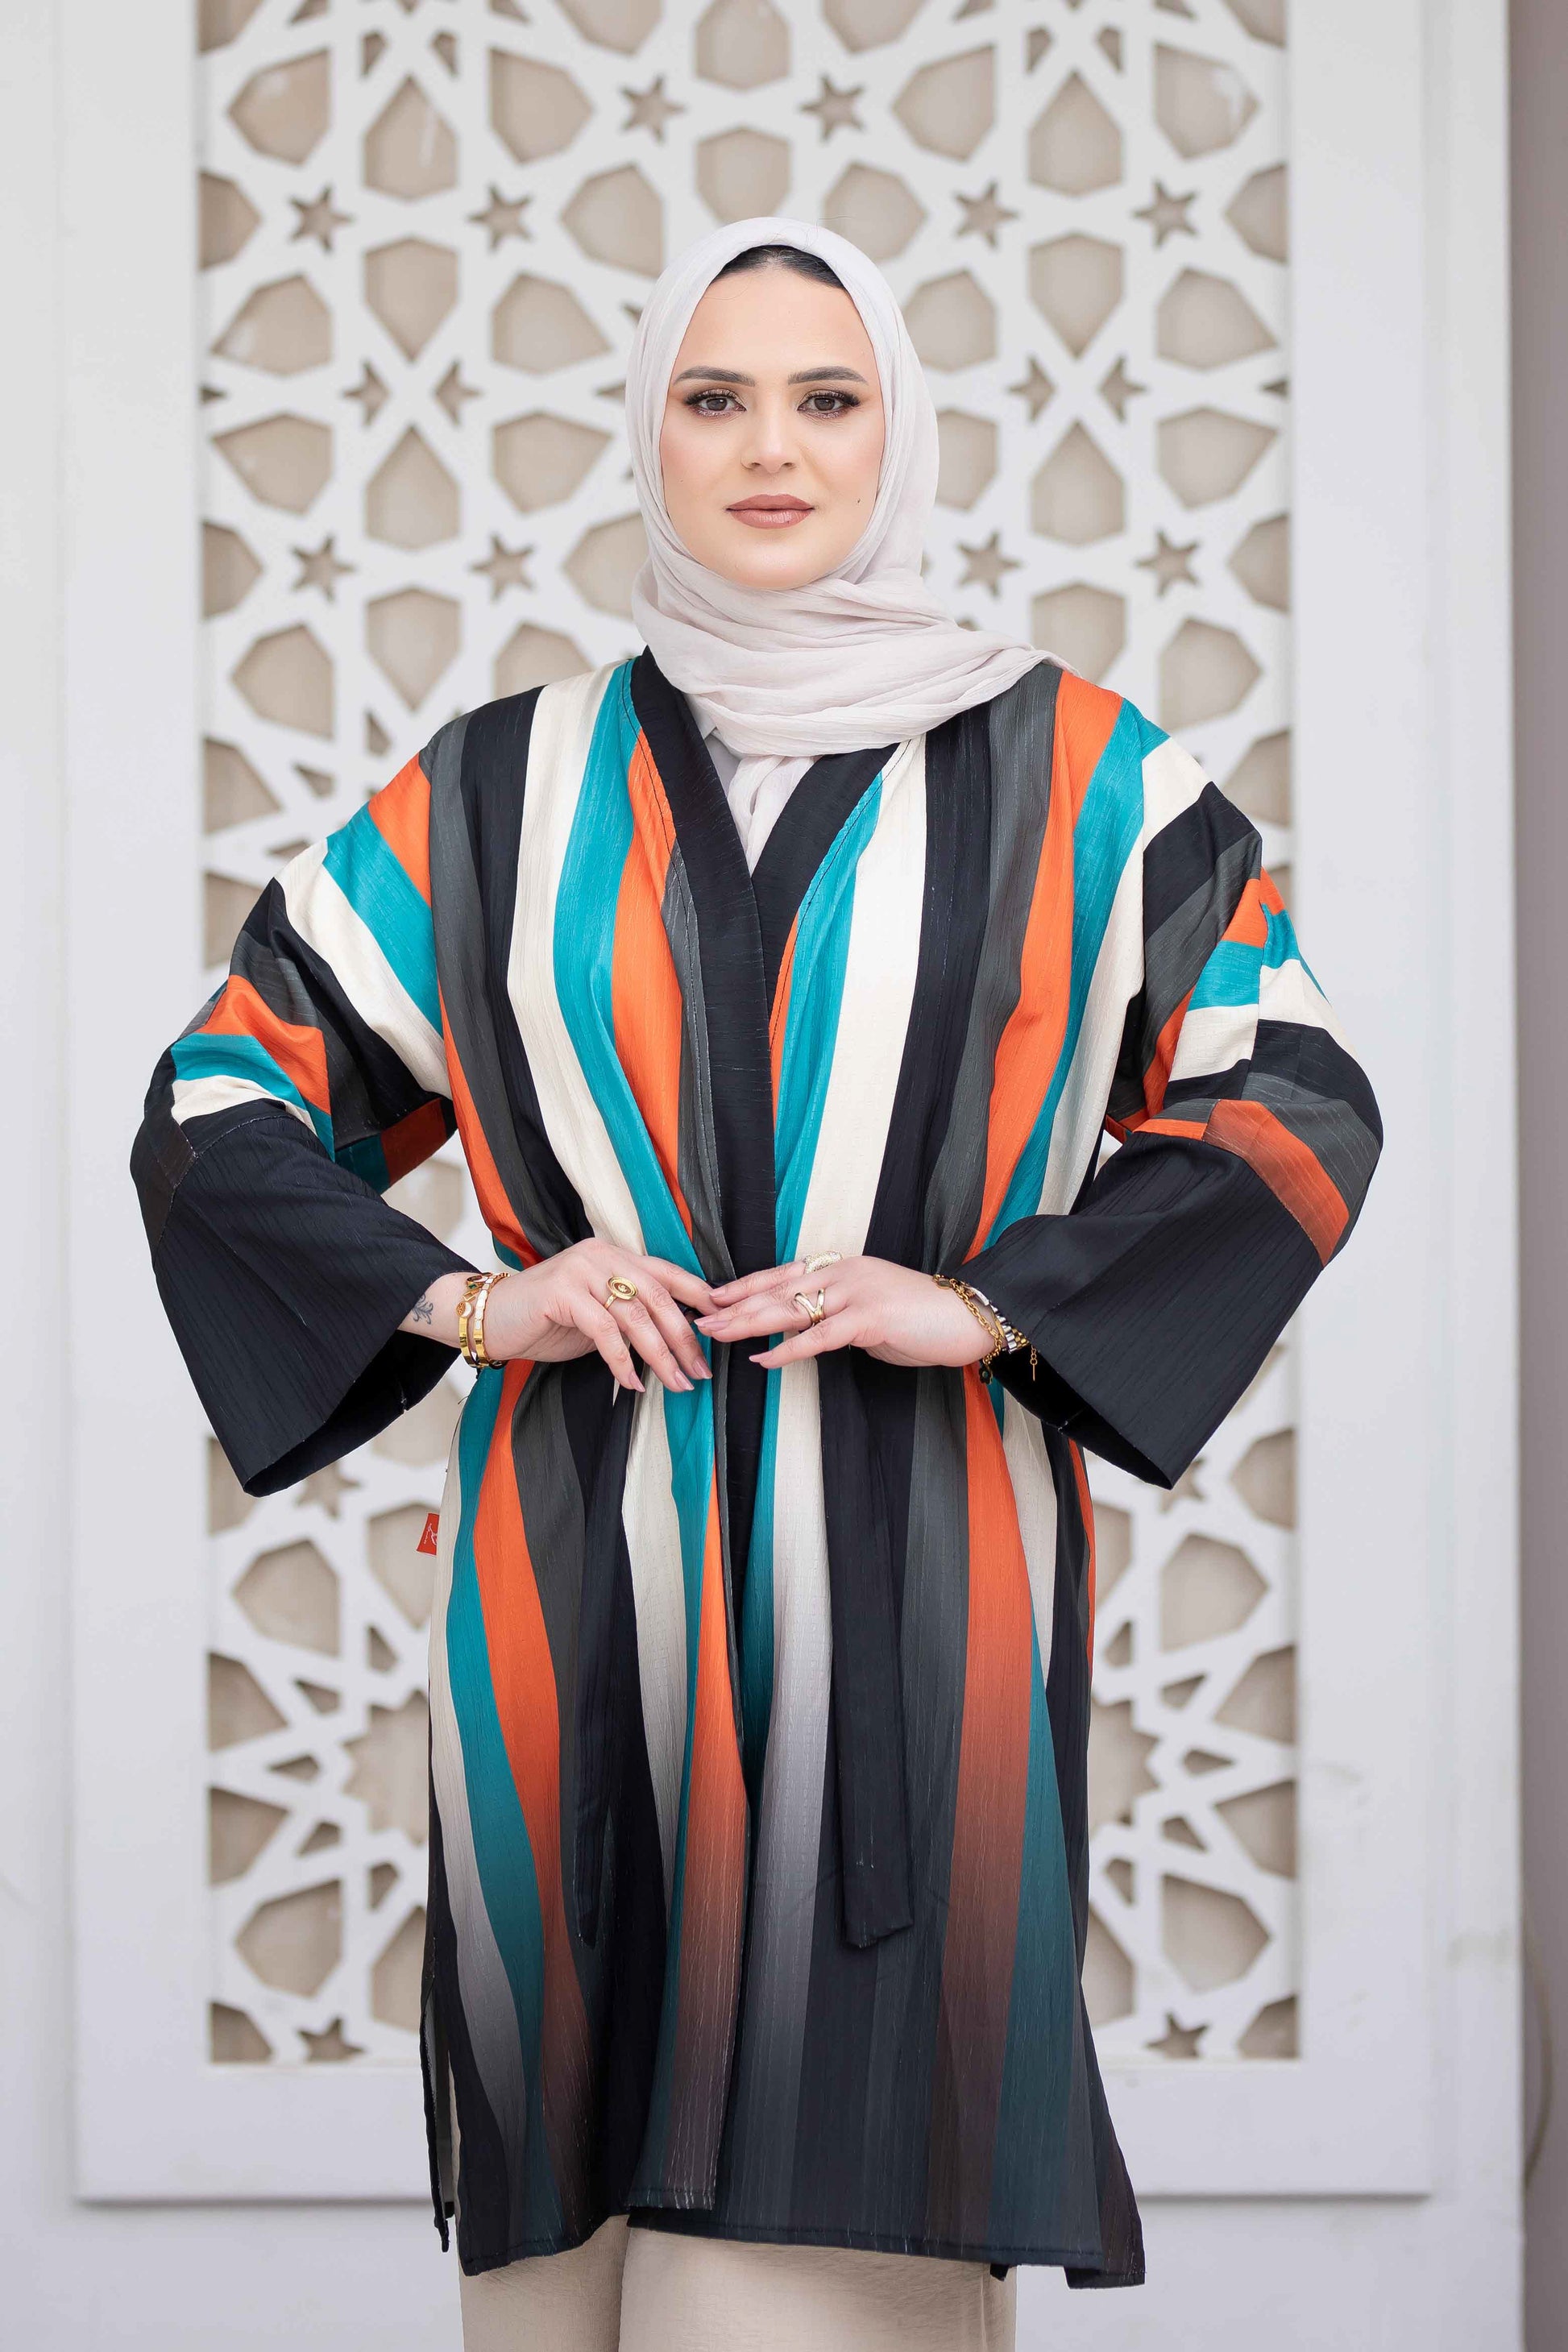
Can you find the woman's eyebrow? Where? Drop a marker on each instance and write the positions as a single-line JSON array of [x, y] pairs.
[[801, 375]]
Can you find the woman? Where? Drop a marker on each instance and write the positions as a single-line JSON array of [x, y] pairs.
[[837, 1008]]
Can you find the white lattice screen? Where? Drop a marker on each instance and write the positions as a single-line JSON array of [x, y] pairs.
[[426, 226]]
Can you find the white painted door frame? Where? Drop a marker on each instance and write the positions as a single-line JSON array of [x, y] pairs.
[[1406, 2083]]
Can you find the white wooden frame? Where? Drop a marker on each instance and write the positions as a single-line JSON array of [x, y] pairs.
[[1407, 1785]]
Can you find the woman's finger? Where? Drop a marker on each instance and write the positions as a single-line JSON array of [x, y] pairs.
[[690, 1288], [764, 1310], [602, 1327], [645, 1336], [767, 1277], [682, 1340], [834, 1331]]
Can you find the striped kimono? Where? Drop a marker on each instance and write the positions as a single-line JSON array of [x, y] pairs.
[[758, 1854]]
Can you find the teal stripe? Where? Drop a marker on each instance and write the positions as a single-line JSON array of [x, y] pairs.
[[585, 948], [502, 1850], [1229, 978], [367, 1160], [1283, 946], [224, 1054], [811, 1026], [390, 908], [757, 1606], [1104, 838], [1033, 2143]]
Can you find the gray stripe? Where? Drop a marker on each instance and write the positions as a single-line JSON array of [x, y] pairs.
[[1330, 1130], [935, 1640], [459, 965], [697, 1149], [1174, 957], [1022, 727]]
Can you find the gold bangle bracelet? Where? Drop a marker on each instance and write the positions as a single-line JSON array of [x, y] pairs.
[[472, 1320]]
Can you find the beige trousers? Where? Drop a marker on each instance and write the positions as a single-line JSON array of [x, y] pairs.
[[655, 2291]]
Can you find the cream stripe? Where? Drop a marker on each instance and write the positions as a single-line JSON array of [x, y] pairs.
[[326, 921], [558, 749], [199, 1097], [1212, 1039], [1172, 781], [658, 1589], [1286, 992]]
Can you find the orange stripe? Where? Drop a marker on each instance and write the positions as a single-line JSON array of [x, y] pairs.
[[300, 1053], [408, 1142], [1086, 715], [1270, 896], [987, 1834], [778, 1019], [645, 990], [1086, 1512], [1286, 1165], [713, 1883], [1193, 1127], [1249, 924], [401, 814], [1029, 1044], [494, 1206], [522, 1677]]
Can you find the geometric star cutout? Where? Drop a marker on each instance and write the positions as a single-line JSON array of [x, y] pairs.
[[982, 216], [318, 220], [984, 566], [1178, 2040], [452, 392], [502, 216], [320, 568], [650, 109], [326, 1486], [330, 2043], [1170, 563], [506, 567], [835, 109], [370, 394], [1035, 389], [1167, 215], [1118, 389]]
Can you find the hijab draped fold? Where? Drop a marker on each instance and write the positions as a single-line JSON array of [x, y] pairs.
[[866, 655]]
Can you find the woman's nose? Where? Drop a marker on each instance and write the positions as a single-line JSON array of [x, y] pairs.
[[771, 443]]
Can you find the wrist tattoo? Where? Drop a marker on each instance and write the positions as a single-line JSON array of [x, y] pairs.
[[423, 1310]]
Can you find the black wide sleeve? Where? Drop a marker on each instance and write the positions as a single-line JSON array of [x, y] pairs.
[[285, 1277], [1246, 1137]]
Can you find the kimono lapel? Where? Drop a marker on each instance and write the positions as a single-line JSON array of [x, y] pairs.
[[745, 925]]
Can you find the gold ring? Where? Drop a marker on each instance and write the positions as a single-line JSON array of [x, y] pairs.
[[815, 1313], [820, 1258], [621, 1288]]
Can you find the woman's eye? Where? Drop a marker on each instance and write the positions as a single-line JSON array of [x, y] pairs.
[[828, 404], [711, 404]]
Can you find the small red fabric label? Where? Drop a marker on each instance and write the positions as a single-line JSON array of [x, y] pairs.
[[427, 1541]]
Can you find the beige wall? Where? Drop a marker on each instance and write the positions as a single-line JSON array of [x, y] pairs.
[[1541, 576]]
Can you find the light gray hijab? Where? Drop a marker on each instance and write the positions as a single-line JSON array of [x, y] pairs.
[[866, 655]]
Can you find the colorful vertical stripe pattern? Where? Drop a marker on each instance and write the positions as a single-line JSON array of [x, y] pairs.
[[959, 964]]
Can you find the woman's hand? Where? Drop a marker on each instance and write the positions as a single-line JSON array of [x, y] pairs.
[[557, 1309], [892, 1311]]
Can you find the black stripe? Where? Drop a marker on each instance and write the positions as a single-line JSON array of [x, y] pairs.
[[1182, 858], [1310, 1058], [803, 832], [494, 780], [484, 2221]]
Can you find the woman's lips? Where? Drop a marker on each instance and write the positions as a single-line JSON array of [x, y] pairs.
[[771, 514]]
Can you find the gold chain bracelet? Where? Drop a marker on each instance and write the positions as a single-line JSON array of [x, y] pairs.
[[472, 1320], [1005, 1337]]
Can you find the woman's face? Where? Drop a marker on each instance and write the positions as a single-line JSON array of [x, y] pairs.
[[772, 442]]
